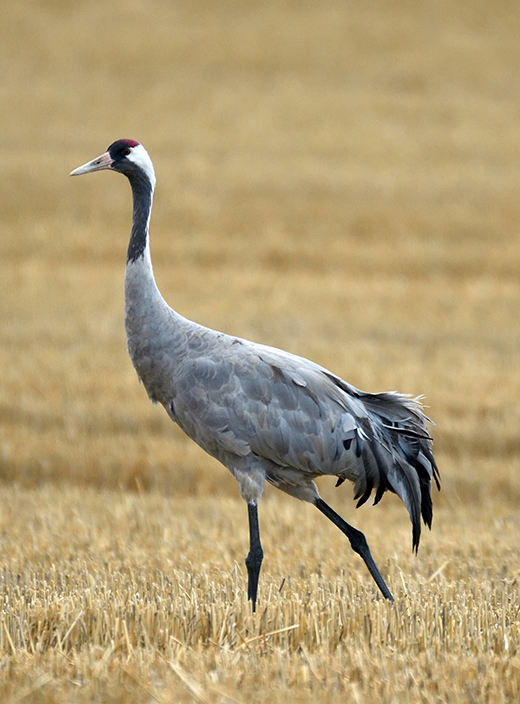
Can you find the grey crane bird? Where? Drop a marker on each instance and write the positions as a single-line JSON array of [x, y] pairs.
[[263, 413]]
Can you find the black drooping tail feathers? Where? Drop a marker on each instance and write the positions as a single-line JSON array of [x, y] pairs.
[[398, 456]]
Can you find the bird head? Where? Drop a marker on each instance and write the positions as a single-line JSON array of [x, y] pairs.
[[126, 156]]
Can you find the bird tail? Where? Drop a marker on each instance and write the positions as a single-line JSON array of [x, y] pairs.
[[403, 454]]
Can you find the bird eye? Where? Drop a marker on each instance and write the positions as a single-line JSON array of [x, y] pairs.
[[126, 152]]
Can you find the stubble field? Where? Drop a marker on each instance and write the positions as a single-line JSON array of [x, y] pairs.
[[340, 180]]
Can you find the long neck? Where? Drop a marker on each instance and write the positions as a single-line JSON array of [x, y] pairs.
[[151, 325], [142, 191]]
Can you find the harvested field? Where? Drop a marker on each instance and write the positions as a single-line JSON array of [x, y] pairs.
[[339, 180]]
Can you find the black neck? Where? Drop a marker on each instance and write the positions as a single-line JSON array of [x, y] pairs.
[[142, 192]]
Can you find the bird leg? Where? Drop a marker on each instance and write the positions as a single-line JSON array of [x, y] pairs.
[[358, 543], [256, 554]]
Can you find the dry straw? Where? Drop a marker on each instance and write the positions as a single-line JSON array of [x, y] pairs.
[[339, 179]]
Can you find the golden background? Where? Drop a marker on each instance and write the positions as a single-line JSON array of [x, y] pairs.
[[337, 179]]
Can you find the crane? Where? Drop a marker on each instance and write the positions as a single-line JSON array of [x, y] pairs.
[[266, 414]]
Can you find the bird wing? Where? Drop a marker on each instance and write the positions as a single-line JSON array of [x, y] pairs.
[[242, 399], [249, 399]]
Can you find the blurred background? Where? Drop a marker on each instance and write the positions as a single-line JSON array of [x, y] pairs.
[[338, 179]]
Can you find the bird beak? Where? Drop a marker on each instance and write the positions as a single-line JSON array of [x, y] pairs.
[[104, 161]]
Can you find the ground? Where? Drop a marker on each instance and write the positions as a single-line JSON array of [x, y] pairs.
[[340, 180]]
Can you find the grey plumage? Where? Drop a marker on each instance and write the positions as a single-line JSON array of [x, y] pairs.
[[264, 413]]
